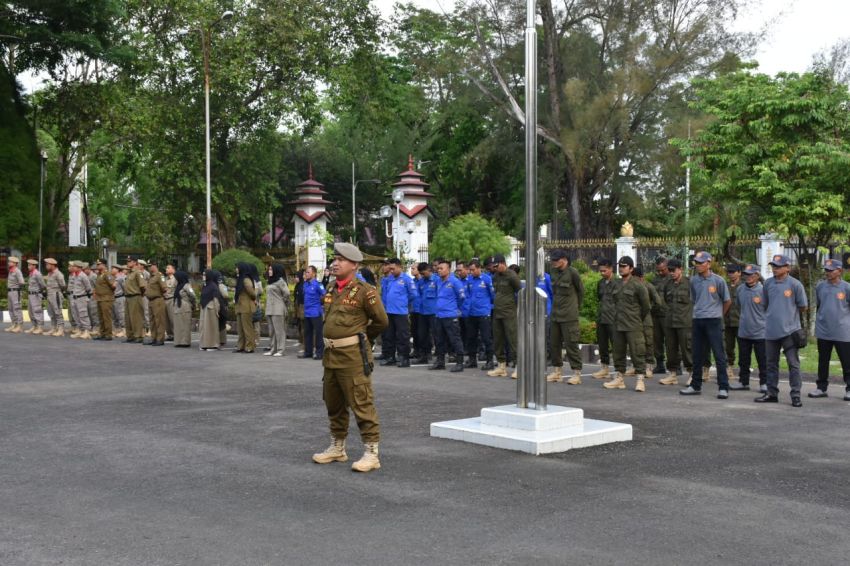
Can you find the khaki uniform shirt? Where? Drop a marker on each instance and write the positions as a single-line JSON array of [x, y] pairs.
[[55, 282], [36, 283], [568, 295], [680, 307], [135, 283], [156, 287], [733, 315], [80, 285], [104, 288], [356, 308], [506, 285], [170, 285], [632, 301]]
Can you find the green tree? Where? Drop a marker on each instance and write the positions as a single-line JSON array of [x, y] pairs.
[[780, 149], [468, 236]]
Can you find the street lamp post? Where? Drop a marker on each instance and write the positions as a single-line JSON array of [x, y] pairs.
[[41, 207], [353, 197], [205, 47], [398, 196]]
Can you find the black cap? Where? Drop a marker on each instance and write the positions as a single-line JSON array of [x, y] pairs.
[[626, 260], [556, 255], [638, 272], [732, 268], [497, 258]]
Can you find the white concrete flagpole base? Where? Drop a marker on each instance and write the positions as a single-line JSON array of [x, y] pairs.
[[557, 429]]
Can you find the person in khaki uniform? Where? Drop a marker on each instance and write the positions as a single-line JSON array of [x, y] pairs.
[[55, 289], [659, 313], [183, 306], [632, 301], [506, 285], [648, 324], [155, 293], [104, 296], [36, 291], [94, 315], [605, 316], [80, 291], [170, 285], [134, 288], [118, 307], [354, 318], [677, 322], [15, 286], [568, 295], [246, 304]]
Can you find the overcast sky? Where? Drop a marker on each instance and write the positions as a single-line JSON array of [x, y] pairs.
[[800, 28]]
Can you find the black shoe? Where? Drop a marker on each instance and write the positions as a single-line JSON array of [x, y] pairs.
[[452, 359], [739, 386], [169, 338], [457, 367], [305, 356], [796, 402], [158, 343], [381, 357], [181, 345], [129, 341], [97, 338], [482, 357], [659, 368], [471, 362], [422, 360], [817, 394], [766, 398], [404, 362], [247, 351], [242, 350], [107, 339], [388, 362], [438, 364]]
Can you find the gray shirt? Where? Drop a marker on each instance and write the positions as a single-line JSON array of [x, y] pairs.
[[751, 306], [783, 300], [833, 318], [15, 281], [709, 294], [55, 281], [119, 285], [36, 285]]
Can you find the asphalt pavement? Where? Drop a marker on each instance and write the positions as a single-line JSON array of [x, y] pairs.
[[117, 454]]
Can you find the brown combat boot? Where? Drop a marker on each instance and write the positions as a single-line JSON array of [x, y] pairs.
[[671, 379], [500, 371], [30, 330], [640, 386], [369, 461], [37, 331], [616, 383], [84, 335], [630, 372], [333, 453], [603, 373], [555, 376], [575, 379], [60, 331], [16, 329]]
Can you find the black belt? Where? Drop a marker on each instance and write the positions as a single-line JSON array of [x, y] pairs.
[[153, 298], [81, 296], [136, 295], [36, 293], [119, 296]]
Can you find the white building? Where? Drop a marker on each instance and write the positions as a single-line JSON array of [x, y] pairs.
[[414, 212], [311, 221]]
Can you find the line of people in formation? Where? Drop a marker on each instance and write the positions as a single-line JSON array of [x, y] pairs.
[[469, 314]]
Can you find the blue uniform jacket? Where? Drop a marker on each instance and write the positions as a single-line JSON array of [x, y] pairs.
[[428, 294], [545, 283], [398, 293], [313, 293], [479, 295], [450, 297]]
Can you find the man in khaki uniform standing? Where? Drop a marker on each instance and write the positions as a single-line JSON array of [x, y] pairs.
[[15, 286], [170, 285], [632, 301], [80, 291], [155, 294], [506, 284], [568, 291], [354, 318], [104, 295], [134, 288], [94, 316], [55, 289], [119, 276], [36, 290]]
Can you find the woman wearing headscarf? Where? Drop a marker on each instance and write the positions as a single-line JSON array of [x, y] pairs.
[[224, 311], [277, 306], [183, 306], [246, 303], [211, 301], [258, 287]]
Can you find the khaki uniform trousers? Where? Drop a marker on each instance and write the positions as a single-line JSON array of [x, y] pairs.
[[157, 317], [504, 330], [246, 338], [104, 309], [344, 388], [135, 318]]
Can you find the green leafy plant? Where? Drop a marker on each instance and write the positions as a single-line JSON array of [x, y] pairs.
[[467, 236], [226, 261]]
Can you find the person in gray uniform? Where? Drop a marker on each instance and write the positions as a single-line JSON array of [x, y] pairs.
[[14, 288], [36, 290], [832, 326], [72, 314], [170, 285], [751, 320], [146, 306], [55, 289], [785, 301], [94, 316], [80, 290], [711, 301], [118, 307]]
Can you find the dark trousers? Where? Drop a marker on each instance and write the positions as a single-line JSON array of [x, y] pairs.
[[792, 356], [730, 337], [658, 340], [505, 337], [397, 336], [708, 333], [414, 332], [635, 341], [448, 337], [746, 347], [604, 339], [565, 335], [313, 335], [825, 353], [678, 343], [478, 330], [426, 333]]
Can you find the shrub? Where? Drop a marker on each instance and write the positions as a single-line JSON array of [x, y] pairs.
[[590, 306], [226, 261], [587, 331]]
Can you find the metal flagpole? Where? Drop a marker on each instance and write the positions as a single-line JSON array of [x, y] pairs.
[[531, 386]]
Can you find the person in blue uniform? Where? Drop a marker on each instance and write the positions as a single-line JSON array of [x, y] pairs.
[[399, 292], [450, 299]]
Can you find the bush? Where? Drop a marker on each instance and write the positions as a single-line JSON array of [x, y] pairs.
[[590, 306], [467, 236], [587, 331], [226, 261]]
